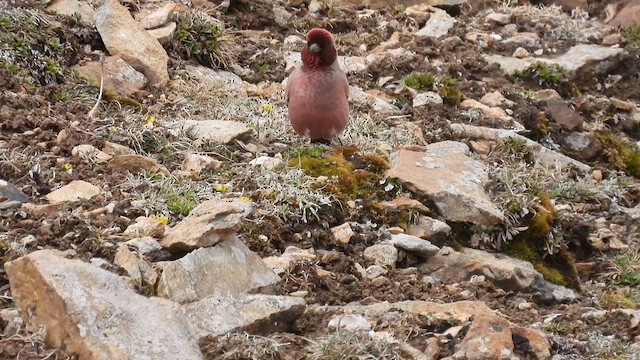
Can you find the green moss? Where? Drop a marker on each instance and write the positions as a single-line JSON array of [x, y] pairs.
[[111, 95], [619, 300], [420, 80], [353, 175], [530, 246], [449, 91], [632, 35], [623, 155]]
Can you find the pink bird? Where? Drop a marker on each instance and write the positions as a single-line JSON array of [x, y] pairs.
[[318, 91]]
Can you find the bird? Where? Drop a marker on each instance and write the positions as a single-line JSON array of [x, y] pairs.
[[317, 92]]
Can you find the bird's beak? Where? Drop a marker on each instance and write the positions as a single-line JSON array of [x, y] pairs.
[[315, 48]]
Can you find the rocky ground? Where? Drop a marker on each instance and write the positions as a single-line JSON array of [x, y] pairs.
[[483, 203]]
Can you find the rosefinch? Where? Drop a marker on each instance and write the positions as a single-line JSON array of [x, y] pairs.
[[318, 91]]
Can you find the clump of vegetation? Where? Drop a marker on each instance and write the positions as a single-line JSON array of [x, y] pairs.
[[623, 155], [201, 37], [167, 196], [626, 267], [546, 75], [632, 35], [30, 49], [619, 300], [446, 86], [350, 174], [353, 345]]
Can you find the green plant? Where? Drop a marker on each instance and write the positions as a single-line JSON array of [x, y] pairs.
[[181, 199], [626, 267], [548, 75], [420, 80], [632, 34], [199, 37]]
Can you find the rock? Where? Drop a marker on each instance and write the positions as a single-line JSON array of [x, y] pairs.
[[144, 245], [291, 256], [293, 40], [92, 313], [136, 266], [407, 204], [427, 98], [114, 149], [496, 99], [145, 227], [281, 16], [253, 313], [382, 254], [82, 9], [628, 15], [165, 33], [451, 179], [11, 196], [224, 269], [219, 131], [582, 145], [414, 244], [488, 338], [159, 17], [73, 191], [136, 164], [205, 228], [90, 153], [576, 59], [379, 104], [225, 79], [10, 322], [343, 233], [352, 64], [491, 112], [498, 18], [118, 76], [521, 53], [564, 116], [43, 210], [374, 271], [268, 162], [543, 155], [438, 24], [194, 164], [505, 272], [612, 39], [350, 322], [124, 36], [427, 227]]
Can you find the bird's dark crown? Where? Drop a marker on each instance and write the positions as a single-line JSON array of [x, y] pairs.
[[327, 51]]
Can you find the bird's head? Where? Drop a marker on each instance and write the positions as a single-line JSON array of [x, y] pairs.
[[320, 50]]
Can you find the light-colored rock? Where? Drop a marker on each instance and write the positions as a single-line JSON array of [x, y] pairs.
[[378, 103], [498, 18], [158, 17], [349, 322], [13, 196], [143, 227], [564, 116], [115, 149], [136, 164], [291, 256], [225, 269], [451, 179], [414, 244], [73, 191], [427, 98], [92, 313], [492, 112], [488, 338], [496, 99], [508, 273], [281, 16], [83, 9], [219, 131], [268, 162], [144, 245], [136, 266], [574, 60], [521, 53], [118, 76], [438, 24], [12, 322], [375, 271], [543, 155], [225, 79], [382, 254], [165, 33], [405, 203], [427, 227], [254, 313], [90, 153], [293, 40], [628, 15], [124, 36], [205, 228], [343, 233], [582, 145], [195, 164]]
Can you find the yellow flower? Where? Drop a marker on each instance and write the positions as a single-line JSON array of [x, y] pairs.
[[267, 107], [149, 119], [162, 219], [221, 188], [245, 198], [113, 128], [68, 166]]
